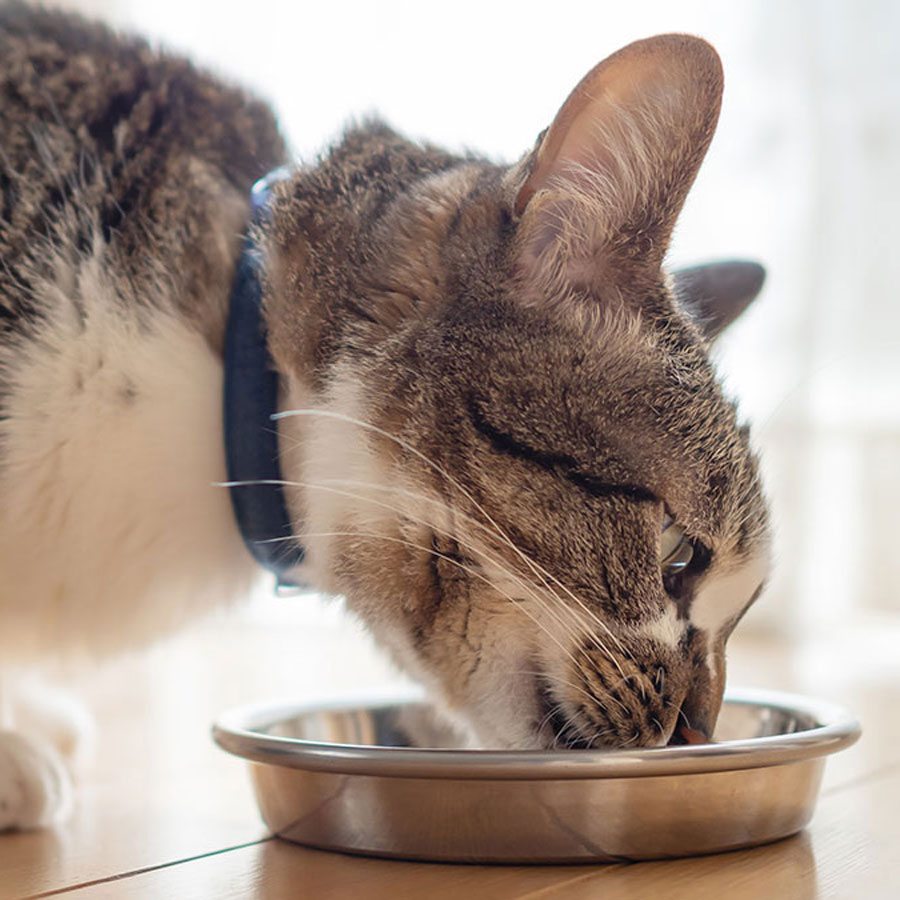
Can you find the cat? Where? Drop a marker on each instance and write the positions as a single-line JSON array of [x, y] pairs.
[[503, 440]]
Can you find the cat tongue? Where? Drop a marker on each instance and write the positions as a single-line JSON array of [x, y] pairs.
[[685, 735]]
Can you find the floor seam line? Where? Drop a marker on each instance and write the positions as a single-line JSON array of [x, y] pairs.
[[145, 869]]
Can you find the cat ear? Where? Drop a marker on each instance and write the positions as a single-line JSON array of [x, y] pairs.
[[715, 294], [599, 195]]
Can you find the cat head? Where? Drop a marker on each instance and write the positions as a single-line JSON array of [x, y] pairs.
[[512, 454]]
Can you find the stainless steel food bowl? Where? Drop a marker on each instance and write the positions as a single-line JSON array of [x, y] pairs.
[[370, 777]]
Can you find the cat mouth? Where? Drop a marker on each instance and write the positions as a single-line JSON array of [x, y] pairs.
[[558, 730], [690, 729], [554, 726]]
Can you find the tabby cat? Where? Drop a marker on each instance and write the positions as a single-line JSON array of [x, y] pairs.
[[506, 445]]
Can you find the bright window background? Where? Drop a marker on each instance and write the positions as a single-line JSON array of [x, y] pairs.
[[803, 175]]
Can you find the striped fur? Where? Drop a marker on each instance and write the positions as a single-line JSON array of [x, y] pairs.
[[496, 395]]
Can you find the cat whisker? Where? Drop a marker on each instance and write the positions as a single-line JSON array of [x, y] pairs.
[[532, 586], [556, 680], [557, 707], [570, 726], [583, 691], [681, 713], [555, 613], [636, 679], [451, 480], [430, 550], [607, 691], [493, 530], [557, 732], [552, 611]]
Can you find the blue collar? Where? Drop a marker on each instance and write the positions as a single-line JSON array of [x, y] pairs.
[[250, 403]]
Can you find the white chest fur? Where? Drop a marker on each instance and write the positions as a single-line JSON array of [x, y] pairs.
[[112, 527]]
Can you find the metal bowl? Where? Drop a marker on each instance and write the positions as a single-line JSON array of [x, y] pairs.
[[369, 777]]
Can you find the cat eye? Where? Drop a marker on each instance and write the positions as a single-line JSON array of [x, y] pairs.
[[676, 551]]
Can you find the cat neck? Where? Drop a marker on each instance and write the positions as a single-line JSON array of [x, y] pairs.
[[250, 403]]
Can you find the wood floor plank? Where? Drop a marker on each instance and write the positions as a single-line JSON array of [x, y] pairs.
[[156, 789], [277, 870], [114, 833], [850, 851]]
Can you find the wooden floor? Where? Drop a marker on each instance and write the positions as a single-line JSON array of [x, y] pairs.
[[162, 813]]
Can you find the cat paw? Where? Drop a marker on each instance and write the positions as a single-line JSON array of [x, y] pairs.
[[35, 787], [49, 714]]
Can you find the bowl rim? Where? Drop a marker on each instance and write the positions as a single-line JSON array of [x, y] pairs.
[[238, 731]]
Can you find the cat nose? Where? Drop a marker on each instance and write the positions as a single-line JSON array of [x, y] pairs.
[[700, 707]]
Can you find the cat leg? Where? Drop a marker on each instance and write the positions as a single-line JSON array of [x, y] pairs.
[[41, 733]]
